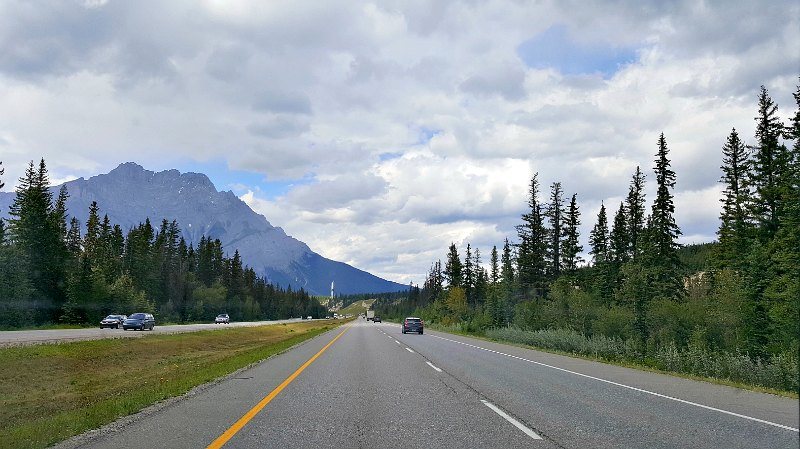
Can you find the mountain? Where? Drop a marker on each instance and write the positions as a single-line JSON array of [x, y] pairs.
[[129, 194]]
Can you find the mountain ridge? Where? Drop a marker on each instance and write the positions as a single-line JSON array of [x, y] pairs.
[[129, 194]]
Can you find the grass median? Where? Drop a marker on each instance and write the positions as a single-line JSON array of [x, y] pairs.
[[52, 392]]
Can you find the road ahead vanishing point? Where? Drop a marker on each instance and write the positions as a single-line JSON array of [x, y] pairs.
[[366, 385]]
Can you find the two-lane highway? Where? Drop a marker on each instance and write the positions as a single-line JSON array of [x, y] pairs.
[[368, 385]]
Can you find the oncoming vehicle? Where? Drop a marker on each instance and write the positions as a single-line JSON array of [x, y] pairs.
[[412, 324], [112, 321], [140, 321], [376, 319], [222, 318]]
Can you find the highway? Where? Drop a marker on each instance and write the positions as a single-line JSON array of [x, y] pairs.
[[366, 385], [38, 336]]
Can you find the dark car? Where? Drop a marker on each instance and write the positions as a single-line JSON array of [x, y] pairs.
[[112, 321], [412, 324], [377, 319], [140, 321]]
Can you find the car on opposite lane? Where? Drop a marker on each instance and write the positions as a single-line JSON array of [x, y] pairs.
[[112, 321], [222, 318], [412, 324], [140, 321], [377, 319]]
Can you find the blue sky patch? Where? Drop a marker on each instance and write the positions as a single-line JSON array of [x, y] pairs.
[[239, 181], [426, 134], [554, 48]]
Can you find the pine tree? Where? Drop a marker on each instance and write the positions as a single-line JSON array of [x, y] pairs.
[[571, 247], [481, 286], [505, 303], [532, 248], [469, 276], [619, 242], [734, 229], [634, 205], [2, 222], [599, 241], [598, 238], [664, 231], [36, 232], [767, 166], [555, 215], [495, 266], [453, 271], [493, 304], [91, 240], [74, 238]]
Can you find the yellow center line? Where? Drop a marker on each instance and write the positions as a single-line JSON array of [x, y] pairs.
[[237, 426]]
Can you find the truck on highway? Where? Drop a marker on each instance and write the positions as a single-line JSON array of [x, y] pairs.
[[370, 315]]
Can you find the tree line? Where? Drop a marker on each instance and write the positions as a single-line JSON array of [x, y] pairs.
[[640, 285], [53, 270]]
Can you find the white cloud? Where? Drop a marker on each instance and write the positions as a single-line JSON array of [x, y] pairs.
[[323, 92]]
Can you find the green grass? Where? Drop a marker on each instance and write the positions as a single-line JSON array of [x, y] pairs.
[[356, 308], [52, 392]]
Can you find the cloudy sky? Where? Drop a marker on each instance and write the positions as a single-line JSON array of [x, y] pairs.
[[380, 132]]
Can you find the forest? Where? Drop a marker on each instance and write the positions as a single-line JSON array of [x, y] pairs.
[[56, 271], [729, 310]]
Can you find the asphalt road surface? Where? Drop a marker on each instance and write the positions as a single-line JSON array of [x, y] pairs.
[[17, 338], [372, 387]]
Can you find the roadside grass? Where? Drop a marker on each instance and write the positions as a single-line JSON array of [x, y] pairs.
[[457, 330], [51, 392]]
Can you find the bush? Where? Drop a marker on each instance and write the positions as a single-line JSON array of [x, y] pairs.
[[600, 346], [779, 371]]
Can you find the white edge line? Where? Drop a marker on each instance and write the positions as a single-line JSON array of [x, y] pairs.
[[434, 367], [513, 421], [397, 342], [410, 350], [684, 401]]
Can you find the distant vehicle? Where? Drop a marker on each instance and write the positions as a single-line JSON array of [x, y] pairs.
[[412, 324], [376, 319], [370, 314], [222, 318], [112, 321], [308, 317], [140, 321]]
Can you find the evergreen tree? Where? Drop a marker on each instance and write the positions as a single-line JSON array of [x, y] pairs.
[[619, 243], [734, 229], [664, 231], [634, 205], [74, 238], [2, 222], [36, 232], [91, 240], [495, 266], [532, 248], [493, 301], [481, 286], [469, 276], [767, 166], [598, 238], [505, 304], [453, 271], [555, 215], [571, 247]]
